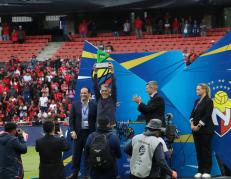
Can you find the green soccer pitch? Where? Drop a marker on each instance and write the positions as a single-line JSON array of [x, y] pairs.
[[30, 163]]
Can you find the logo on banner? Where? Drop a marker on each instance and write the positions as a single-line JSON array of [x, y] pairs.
[[221, 116]]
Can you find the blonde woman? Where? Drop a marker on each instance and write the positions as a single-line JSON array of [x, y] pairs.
[[202, 128]]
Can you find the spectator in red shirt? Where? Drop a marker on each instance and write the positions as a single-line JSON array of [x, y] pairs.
[[83, 29], [2, 87], [2, 117], [15, 118], [6, 80], [27, 119], [138, 27], [176, 26], [192, 56], [57, 96], [14, 36], [33, 110], [5, 32], [68, 77]]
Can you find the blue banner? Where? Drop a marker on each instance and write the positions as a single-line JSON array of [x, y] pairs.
[[177, 86], [213, 68]]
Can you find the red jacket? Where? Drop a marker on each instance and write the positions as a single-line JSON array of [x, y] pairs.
[[83, 28], [14, 36], [138, 24]]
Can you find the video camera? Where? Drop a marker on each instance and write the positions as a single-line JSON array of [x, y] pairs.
[[170, 130]]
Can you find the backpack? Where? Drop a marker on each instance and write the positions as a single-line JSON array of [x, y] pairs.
[[143, 148], [100, 155]]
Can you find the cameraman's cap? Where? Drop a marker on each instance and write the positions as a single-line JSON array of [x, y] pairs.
[[152, 83], [154, 124]]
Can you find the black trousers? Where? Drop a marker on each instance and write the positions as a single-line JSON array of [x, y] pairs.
[[203, 146], [78, 147]]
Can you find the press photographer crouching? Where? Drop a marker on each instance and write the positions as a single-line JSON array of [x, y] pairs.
[[147, 154], [12, 145]]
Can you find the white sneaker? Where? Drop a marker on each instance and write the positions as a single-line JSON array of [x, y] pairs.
[[206, 175], [198, 175]]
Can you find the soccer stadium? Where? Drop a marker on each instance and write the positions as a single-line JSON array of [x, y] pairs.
[[126, 89]]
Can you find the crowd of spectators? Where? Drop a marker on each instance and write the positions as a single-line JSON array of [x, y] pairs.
[[165, 25], [16, 34], [32, 92]]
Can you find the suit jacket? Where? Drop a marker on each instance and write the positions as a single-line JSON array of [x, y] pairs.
[[75, 118], [203, 112], [50, 150], [155, 108]]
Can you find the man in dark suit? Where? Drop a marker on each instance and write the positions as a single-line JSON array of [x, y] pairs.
[[50, 148], [82, 122], [155, 107]]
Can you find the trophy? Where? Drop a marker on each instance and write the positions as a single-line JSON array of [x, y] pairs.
[[102, 65]]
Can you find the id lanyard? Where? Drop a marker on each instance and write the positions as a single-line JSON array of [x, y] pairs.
[[85, 110]]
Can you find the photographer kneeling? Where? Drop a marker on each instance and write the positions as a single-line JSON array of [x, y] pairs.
[[12, 145], [147, 154]]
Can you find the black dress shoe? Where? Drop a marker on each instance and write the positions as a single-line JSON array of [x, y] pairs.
[[73, 176]]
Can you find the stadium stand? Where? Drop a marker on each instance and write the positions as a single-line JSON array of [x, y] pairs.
[[152, 43], [33, 46]]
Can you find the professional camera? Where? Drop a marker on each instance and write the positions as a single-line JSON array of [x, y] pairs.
[[57, 127], [170, 130], [19, 132]]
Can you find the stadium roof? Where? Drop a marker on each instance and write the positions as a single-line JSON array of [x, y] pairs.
[[60, 6]]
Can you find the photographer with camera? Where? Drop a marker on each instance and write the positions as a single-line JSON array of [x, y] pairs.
[[50, 148], [12, 145], [147, 154]]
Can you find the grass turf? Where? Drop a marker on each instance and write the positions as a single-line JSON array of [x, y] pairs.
[[30, 163]]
